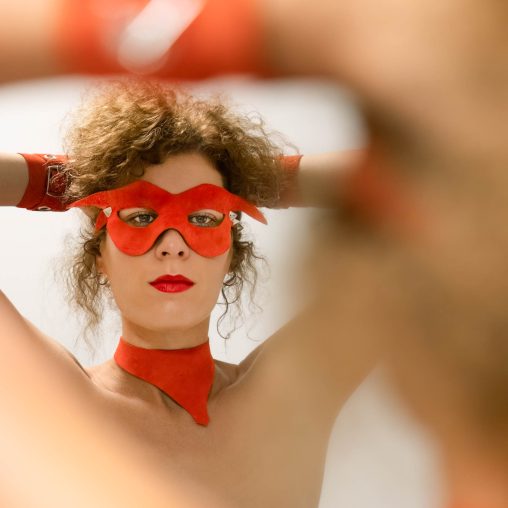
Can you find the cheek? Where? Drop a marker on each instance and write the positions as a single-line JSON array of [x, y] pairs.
[[124, 287], [135, 299], [122, 269], [217, 268], [212, 276]]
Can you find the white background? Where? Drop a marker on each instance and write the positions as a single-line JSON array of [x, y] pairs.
[[378, 456]]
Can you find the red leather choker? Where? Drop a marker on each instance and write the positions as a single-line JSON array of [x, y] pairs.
[[185, 375]]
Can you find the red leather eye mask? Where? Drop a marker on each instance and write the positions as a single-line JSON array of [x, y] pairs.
[[172, 211]]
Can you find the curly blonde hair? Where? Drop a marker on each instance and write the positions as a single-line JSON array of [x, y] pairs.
[[126, 126]]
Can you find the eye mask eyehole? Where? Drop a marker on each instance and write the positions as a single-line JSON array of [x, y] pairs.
[[213, 218]]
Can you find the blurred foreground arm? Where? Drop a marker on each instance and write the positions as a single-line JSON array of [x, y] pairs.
[[431, 75], [180, 39], [26, 39]]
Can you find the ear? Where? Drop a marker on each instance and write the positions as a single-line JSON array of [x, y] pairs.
[[99, 259], [100, 265]]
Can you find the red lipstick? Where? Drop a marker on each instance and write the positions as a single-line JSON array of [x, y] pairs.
[[172, 283]]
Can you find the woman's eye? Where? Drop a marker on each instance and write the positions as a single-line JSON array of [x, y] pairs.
[[141, 219], [204, 220]]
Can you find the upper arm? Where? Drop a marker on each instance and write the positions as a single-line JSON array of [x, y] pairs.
[[55, 348], [319, 358], [308, 365], [18, 332]]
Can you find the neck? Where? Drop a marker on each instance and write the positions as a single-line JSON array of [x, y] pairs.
[[167, 338]]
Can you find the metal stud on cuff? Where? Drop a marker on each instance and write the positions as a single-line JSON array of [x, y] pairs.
[[107, 211]]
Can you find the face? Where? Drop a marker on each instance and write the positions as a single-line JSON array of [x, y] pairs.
[[149, 316]]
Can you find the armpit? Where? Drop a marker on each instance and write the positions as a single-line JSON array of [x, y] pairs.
[[55, 346], [76, 361]]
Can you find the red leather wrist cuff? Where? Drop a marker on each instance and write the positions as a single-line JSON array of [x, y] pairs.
[[46, 183], [380, 199], [87, 34], [226, 36], [291, 194]]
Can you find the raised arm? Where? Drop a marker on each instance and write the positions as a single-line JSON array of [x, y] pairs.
[[316, 179], [318, 358], [24, 183], [54, 427], [14, 178]]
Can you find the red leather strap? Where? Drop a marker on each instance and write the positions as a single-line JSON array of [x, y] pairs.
[[46, 183], [226, 36], [380, 199], [87, 32], [186, 375], [291, 193]]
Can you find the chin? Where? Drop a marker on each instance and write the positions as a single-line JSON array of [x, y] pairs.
[[174, 319], [171, 314]]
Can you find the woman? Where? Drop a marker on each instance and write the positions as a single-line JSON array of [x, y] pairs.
[[254, 433]]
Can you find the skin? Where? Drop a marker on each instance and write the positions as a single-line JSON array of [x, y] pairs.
[[46, 405], [167, 320], [272, 413], [431, 78], [271, 416]]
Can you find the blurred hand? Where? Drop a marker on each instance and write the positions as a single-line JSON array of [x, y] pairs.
[[432, 75]]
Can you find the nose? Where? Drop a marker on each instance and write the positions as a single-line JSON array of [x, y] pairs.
[[171, 243]]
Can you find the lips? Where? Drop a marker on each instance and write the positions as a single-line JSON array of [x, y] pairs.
[[172, 283]]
